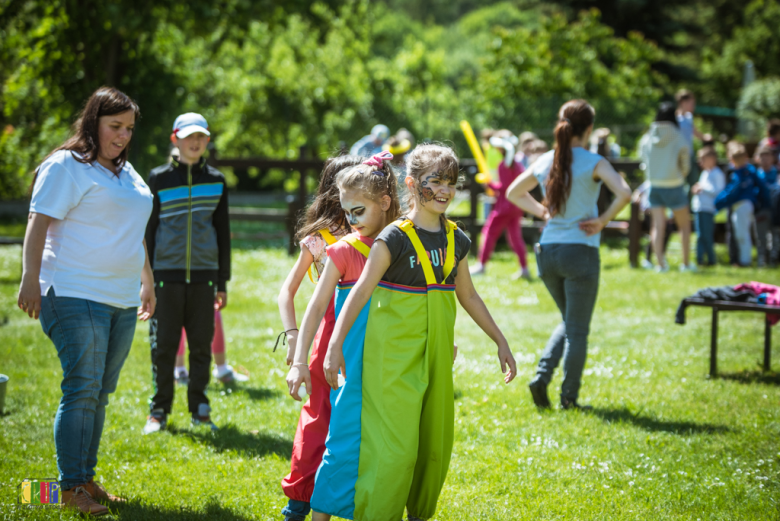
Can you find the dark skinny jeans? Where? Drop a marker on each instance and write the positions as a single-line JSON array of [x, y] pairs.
[[571, 274]]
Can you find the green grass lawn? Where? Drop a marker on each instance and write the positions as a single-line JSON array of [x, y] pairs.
[[663, 441]]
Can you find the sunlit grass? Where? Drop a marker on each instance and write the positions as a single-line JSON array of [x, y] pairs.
[[663, 442]]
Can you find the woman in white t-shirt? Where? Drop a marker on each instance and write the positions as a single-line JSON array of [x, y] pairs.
[[84, 263]]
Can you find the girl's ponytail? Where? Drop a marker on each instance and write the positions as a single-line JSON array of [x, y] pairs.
[[575, 117]]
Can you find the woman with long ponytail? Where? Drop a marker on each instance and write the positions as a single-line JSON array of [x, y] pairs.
[[568, 252]]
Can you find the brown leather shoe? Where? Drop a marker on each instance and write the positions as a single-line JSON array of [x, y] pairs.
[[78, 498], [100, 494]]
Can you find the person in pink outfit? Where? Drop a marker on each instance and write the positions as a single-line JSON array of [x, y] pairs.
[[505, 216]]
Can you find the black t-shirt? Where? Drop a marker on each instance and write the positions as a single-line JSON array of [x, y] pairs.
[[405, 268]]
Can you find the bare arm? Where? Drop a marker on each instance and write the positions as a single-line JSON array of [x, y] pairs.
[[286, 299], [518, 194], [618, 186], [376, 266], [29, 299], [148, 297], [475, 307], [318, 306]]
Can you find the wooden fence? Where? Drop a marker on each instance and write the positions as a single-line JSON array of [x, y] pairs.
[[305, 166]]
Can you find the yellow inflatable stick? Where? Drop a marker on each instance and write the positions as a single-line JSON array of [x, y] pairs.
[[484, 174]]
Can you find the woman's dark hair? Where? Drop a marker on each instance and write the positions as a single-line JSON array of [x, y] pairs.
[[574, 118], [667, 111], [326, 211], [84, 141]]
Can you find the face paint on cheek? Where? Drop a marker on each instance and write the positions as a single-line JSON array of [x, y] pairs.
[[424, 192]]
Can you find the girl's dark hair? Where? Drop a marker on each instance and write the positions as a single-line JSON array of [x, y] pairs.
[[574, 118], [325, 211], [84, 141], [375, 182], [667, 111]]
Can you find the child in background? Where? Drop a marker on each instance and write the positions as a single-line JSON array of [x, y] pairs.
[[323, 225], [223, 372], [526, 146], [711, 183], [767, 234], [745, 193], [368, 195], [536, 149], [504, 216], [188, 240], [417, 266], [772, 139]]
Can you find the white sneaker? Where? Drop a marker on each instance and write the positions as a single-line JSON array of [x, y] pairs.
[[662, 268], [229, 375], [690, 267], [156, 422], [646, 264], [477, 269]]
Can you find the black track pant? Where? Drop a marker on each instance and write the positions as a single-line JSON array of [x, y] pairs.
[[190, 306]]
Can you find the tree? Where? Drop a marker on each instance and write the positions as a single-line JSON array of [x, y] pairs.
[[760, 101], [527, 70]]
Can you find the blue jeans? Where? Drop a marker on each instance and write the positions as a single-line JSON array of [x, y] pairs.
[[705, 241], [296, 510], [92, 342], [571, 274]]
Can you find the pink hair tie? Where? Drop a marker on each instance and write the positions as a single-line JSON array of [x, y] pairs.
[[378, 160]]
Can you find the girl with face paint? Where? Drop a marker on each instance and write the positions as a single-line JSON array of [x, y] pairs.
[[399, 427], [323, 224]]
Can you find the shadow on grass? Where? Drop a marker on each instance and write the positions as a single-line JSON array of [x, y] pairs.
[[259, 394], [681, 428], [137, 511], [235, 388], [752, 377], [230, 438]]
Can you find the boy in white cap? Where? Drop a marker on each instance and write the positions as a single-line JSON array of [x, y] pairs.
[[188, 240]]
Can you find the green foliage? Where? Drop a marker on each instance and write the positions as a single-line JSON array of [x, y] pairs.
[[562, 60], [756, 39], [760, 101], [273, 77]]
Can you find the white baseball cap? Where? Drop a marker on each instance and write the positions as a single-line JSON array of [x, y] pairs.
[[190, 123]]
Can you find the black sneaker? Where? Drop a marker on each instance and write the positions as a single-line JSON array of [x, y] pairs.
[[203, 417], [539, 393], [567, 404]]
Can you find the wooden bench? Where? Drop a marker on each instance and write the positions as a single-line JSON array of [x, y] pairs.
[[723, 305]]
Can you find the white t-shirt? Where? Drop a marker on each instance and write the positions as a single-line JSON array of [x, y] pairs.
[[94, 246]]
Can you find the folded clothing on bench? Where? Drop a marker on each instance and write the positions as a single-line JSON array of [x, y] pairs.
[[753, 292]]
